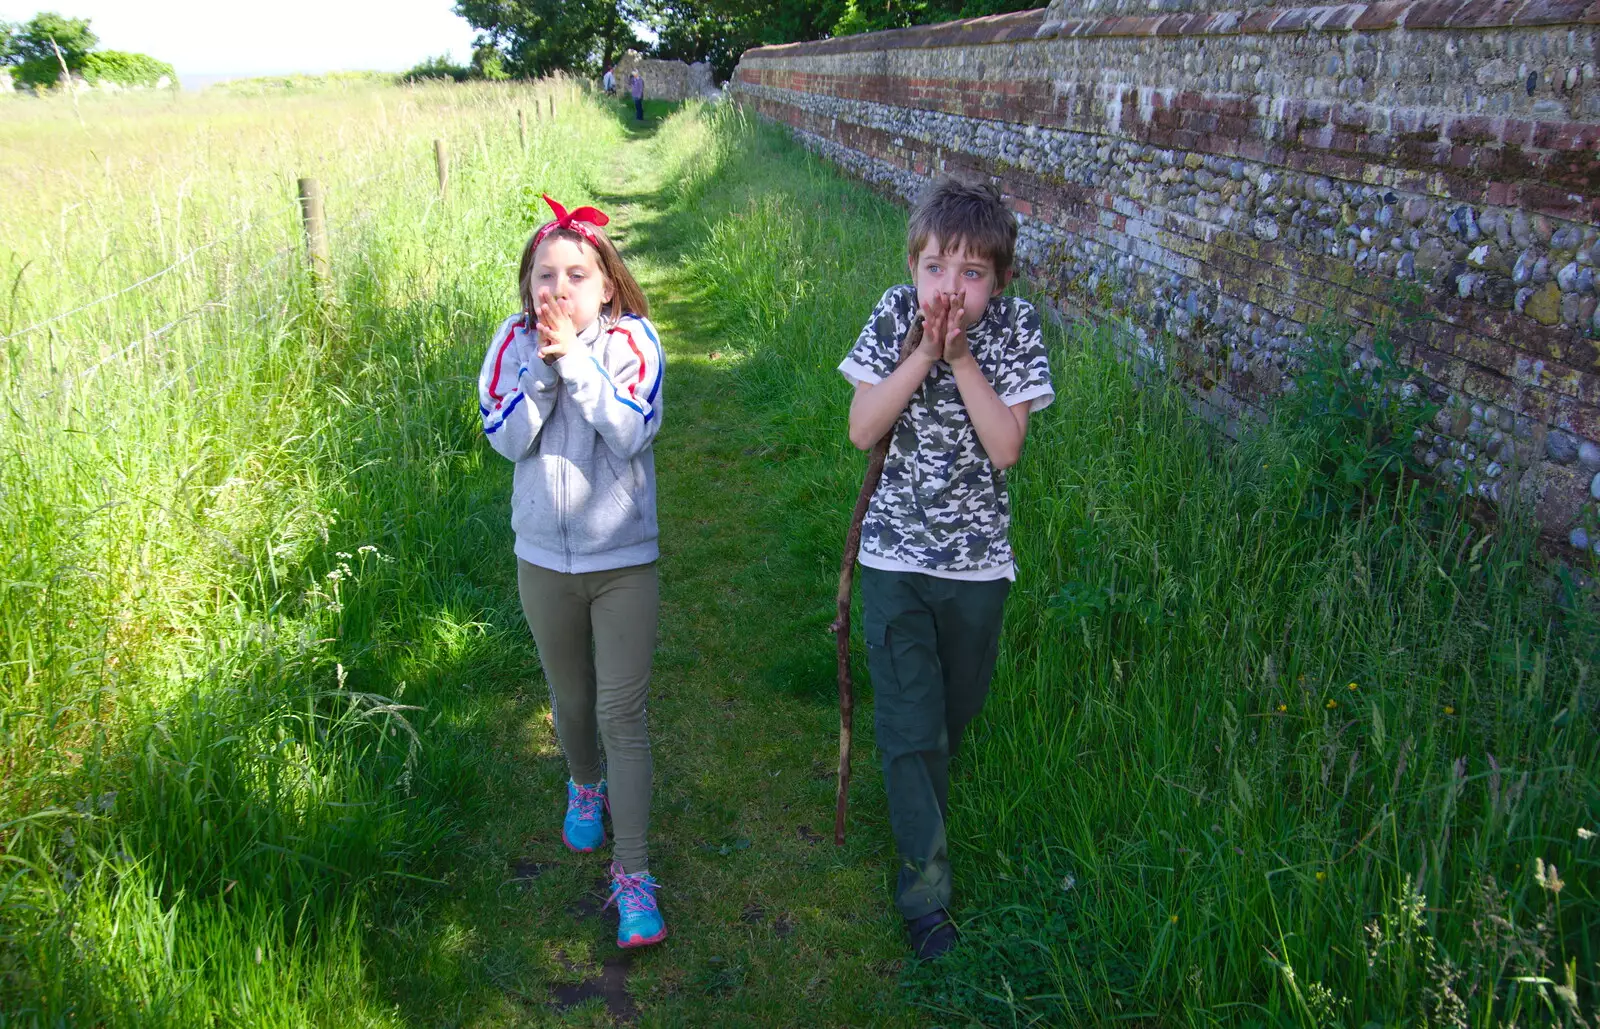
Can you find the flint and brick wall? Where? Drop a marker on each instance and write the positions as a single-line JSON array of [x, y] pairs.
[[1225, 177], [664, 80]]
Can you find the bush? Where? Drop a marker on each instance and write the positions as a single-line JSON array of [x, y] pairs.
[[488, 64], [125, 69], [97, 67], [37, 73], [437, 68]]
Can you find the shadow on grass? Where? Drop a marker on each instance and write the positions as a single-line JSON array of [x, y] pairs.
[[656, 112]]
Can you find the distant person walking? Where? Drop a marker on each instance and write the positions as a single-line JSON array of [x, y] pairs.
[[636, 87], [609, 82]]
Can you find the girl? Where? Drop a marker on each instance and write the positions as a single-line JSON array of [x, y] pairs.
[[571, 391]]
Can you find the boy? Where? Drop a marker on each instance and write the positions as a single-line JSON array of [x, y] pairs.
[[935, 562]]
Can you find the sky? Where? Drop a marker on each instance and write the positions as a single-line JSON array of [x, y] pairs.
[[260, 37]]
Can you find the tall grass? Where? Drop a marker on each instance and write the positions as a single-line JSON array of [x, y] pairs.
[[1248, 759], [244, 536]]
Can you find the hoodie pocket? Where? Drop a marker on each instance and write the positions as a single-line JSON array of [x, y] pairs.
[[610, 517], [619, 475]]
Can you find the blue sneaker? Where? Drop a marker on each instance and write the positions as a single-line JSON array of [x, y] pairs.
[[639, 921], [582, 831]]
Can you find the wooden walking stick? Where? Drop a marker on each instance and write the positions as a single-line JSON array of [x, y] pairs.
[[847, 575]]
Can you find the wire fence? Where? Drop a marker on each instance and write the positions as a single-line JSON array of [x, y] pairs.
[[234, 231], [218, 302], [223, 299]]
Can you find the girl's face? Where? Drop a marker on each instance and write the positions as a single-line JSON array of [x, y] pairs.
[[571, 273]]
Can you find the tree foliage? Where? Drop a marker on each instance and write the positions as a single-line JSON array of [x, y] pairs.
[[583, 36], [32, 48], [125, 69], [537, 37], [489, 65], [33, 39], [718, 31], [873, 15], [440, 67]]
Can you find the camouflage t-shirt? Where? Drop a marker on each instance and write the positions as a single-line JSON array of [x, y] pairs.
[[942, 506]]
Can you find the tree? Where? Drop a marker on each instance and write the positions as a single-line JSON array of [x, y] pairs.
[[719, 31], [8, 42], [537, 37], [873, 15], [541, 36], [72, 35]]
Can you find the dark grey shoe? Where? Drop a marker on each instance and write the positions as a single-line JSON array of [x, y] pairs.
[[932, 935]]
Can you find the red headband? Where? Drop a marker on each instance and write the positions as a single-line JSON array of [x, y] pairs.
[[578, 221]]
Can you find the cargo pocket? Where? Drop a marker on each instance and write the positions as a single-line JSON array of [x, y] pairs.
[[880, 660]]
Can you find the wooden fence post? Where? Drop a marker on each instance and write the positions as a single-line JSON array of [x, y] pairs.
[[441, 163], [522, 129], [552, 106], [318, 254]]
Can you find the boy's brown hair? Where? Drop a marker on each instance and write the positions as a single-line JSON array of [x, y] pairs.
[[626, 295], [961, 211]]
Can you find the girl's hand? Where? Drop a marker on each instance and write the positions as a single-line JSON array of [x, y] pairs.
[[935, 319], [556, 335]]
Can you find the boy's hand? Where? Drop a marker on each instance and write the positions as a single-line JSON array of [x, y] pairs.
[[935, 318], [956, 347], [942, 333], [556, 335]]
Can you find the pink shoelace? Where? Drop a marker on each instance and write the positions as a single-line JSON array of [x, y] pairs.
[[633, 894], [587, 801]]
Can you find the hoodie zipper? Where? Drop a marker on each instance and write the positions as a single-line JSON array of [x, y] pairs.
[[561, 492], [561, 516]]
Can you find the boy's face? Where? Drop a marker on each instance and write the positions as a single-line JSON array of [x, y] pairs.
[[960, 274]]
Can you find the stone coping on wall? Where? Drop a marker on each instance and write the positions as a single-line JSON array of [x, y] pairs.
[[997, 28], [1051, 23]]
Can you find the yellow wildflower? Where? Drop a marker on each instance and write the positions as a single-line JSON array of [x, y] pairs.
[[1321, 876], [1353, 687], [1449, 709], [1331, 704], [1283, 707], [1174, 919]]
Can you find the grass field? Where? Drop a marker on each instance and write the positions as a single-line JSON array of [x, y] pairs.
[[273, 737]]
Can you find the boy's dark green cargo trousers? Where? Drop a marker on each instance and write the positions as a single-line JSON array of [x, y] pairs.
[[931, 645]]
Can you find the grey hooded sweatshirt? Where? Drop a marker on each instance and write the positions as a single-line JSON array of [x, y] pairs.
[[580, 431]]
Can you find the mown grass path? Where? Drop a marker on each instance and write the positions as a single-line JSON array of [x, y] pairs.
[[771, 923]]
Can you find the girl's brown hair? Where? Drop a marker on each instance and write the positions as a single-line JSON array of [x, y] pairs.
[[626, 296]]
